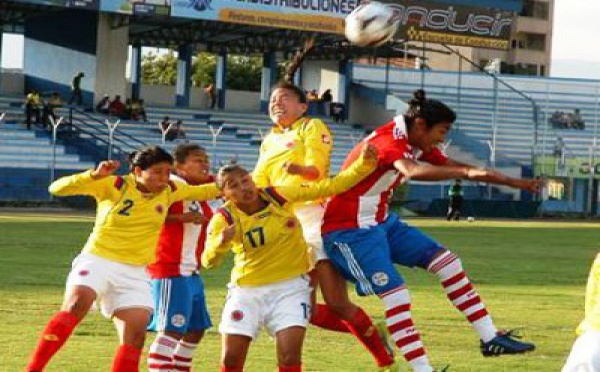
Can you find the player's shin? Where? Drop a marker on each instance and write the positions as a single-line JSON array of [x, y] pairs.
[[160, 355], [461, 293], [184, 353], [361, 326], [55, 335], [402, 330]]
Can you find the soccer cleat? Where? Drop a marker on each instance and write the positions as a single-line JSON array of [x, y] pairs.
[[505, 343], [394, 367], [384, 335]]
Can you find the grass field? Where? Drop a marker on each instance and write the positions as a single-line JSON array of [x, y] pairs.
[[531, 275]]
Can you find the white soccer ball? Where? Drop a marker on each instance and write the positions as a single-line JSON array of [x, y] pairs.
[[371, 24], [471, 219]]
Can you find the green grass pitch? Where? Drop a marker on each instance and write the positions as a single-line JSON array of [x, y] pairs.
[[530, 274]]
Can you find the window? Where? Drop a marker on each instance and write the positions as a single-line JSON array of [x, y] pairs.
[[535, 9], [531, 41]]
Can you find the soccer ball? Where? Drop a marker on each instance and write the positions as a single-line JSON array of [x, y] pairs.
[[371, 24], [471, 219]]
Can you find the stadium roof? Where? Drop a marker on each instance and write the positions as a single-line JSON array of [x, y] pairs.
[[213, 36]]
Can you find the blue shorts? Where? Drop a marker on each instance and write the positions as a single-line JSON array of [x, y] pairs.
[[366, 257], [180, 305]]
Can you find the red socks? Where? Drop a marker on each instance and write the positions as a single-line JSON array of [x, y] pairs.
[[55, 335], [231, 369], [362, 328], [326, 318], [297, 368], [127, 359]]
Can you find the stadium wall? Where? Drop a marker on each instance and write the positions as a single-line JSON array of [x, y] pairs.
[[12, 81]]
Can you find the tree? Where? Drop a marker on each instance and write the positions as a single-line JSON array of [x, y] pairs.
[[159, 69]]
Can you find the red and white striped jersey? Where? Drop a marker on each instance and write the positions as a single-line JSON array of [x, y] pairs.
[[366, 204], [180, 245]]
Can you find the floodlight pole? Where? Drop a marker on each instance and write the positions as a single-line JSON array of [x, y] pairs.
[[112, 126], [2, 117], [164, 131]]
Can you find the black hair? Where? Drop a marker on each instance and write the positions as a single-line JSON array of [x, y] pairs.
[[148, 156], [228, 169], [430, 110], [298, 92], [182, 151]]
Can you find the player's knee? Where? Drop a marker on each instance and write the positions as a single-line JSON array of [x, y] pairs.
[[289, 358], [137, 338], [77, 306], [445, 262]]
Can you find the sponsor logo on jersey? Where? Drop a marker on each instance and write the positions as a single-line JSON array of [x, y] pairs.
[[159, 209], [262, 215], [194, 206], [178, 320], [237, 315], [290, 145], [291, 223], [83, 272], [326, 139], [380, 279]]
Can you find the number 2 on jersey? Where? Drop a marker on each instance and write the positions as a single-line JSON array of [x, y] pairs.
[[128, 204], [254, 234]]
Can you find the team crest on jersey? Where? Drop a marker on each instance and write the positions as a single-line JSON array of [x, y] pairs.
[[237, 315], [178, 320], [159, 209], [380, 279], [291, 223], [326, 139], [83, 273], [290, 145]]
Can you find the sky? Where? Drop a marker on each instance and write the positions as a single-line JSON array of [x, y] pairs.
[[575, 45]]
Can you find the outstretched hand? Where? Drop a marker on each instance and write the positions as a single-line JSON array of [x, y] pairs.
[[531, 185], [105, 168]]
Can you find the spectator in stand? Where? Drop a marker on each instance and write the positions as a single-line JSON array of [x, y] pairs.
[[326, 99], [103, 105], [129, 114], [337, 112], [117, 108], [211, 93], [312, 95], [53, 102], [33, 105], [140, 110], [76, 94]]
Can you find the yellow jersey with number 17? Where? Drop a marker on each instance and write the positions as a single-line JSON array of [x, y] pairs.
[[306, 142], [128, 222], [269, 245]]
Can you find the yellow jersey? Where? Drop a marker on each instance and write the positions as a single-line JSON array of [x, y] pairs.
[[306, 142], [128, 222], [269, 245], [591, 322]]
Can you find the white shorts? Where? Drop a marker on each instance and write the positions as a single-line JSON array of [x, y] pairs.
[[275, 306], [116, 284], [585, 354], [311, 218]]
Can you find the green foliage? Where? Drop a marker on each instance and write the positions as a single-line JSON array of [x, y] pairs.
[[530, 274], [243, 71]]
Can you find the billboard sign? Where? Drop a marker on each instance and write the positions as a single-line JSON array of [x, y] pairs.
[[441, 23], [307, 15], [510, 5], [142, 7]]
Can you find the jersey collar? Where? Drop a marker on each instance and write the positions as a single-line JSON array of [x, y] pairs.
[[295, 125]]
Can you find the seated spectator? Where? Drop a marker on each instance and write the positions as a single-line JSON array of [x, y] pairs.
[[129, 110], [337, 112], [53, 102], [102, 106], [139, 110], [312, 95], [327, 96], [117, 108], [33, 106]]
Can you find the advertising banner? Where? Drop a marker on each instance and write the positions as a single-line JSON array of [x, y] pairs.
[[441, 23], [308, 15], [144, 7], [554, 166]]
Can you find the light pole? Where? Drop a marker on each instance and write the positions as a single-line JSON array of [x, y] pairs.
[[111, 132], [55, 125], [215, 134]]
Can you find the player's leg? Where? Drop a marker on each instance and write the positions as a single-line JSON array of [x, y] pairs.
[[289, 343], [85, 280], [198, 323], [354, 318], [363, 257], [241, 320], [131, 325], [411, 247], [129, 303], [338, 313], [172, 301]]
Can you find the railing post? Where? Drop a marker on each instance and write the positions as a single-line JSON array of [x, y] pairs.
[[55, 125]]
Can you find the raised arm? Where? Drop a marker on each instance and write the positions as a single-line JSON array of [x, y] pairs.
[[344, 181], [182, 191], [221, 232], [92, 182]]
